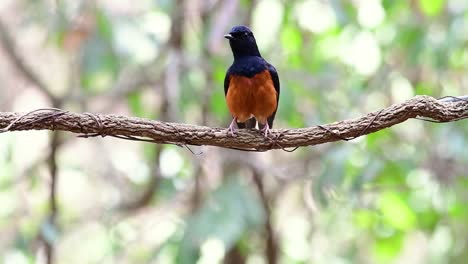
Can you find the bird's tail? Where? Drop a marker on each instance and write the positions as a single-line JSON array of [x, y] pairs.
[[250, 123]]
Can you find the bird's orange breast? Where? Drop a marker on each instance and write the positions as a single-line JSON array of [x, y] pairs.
[[255, 96]]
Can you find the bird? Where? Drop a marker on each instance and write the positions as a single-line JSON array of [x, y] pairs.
[[251, 84]]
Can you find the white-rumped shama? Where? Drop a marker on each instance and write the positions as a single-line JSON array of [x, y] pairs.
[[251, 85]]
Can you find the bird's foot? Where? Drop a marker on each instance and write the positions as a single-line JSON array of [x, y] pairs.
[[232, 132], [232, 129], [266, 130]]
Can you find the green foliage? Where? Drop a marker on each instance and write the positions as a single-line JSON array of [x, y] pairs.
[[100, 63], [229, 213], [395, 212], [432, 7]]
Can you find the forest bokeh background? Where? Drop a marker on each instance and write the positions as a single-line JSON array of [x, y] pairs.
[[396, 196]]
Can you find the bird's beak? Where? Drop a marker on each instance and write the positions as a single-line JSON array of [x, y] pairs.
[[229, 36]]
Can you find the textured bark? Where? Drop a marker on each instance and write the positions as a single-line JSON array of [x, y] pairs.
[[184, 134]]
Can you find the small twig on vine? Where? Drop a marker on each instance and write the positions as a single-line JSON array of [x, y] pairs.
[[275, 143], [189, 149], [184, 144], [100, 127], [367, 127], [96, 119], [133, 138], [333, 133], [60, 112], [356, 136], [440, 122], [285, 149], [247, 150]]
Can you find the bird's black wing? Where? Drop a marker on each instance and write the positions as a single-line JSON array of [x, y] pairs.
[[276, 83], [227, 79]]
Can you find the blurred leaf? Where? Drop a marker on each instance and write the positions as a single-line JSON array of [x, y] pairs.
[[457, 209], [104, 25], [135, 104], [365, 219], [218, 104], [396, 211], [167, 189], [168, 251], [431, 7], [329, 183], [411, 39], [458, 59], [376, 140], [6, 170], [227, 215], [291, 39], [99, 62], [392, 175], [428, 219], [425, 89], [150, 151], [100, 65], [138, 106], [287, 109], [386, 249], [8, 204]]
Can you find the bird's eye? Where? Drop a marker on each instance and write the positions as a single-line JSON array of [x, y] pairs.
[[246, 34]]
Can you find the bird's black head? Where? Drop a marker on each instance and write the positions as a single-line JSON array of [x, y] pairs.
[[242, 42]]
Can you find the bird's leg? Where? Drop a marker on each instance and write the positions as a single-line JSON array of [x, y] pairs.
[[232, 127], [266, 130]]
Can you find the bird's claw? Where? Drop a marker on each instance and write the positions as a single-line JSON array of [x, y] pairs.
[[266, 130], [231, 131]]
